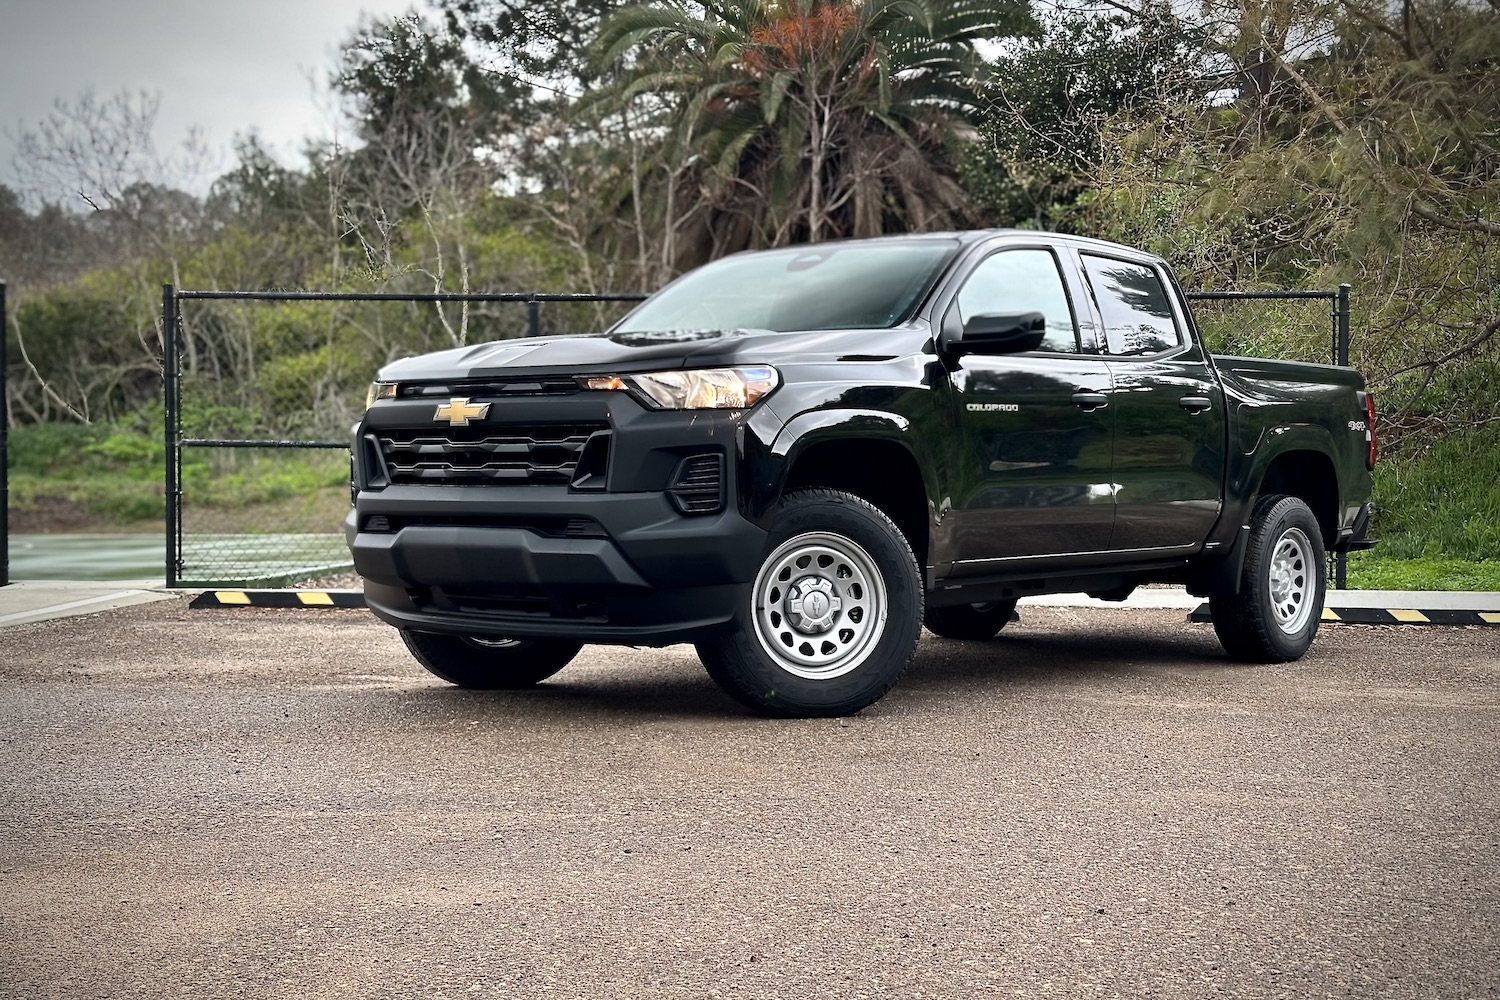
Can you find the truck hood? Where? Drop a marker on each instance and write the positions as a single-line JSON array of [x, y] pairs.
[[614, 353]]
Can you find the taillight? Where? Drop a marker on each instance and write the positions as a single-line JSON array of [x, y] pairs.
[[1370, 429]]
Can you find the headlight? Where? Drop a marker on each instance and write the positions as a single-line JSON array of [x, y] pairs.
[[379, 390], [701, 389]]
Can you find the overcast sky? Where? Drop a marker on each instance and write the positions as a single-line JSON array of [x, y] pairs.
[[227, 67]]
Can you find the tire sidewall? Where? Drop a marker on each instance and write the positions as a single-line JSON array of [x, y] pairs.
[[1284, 515]]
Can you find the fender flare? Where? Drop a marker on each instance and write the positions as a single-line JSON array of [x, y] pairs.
[[1245, 482], [814, 427]]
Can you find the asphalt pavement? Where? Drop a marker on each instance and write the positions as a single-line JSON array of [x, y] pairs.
[[273, 803]]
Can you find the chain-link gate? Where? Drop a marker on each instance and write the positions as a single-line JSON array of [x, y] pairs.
[[4, 450], [246, 511]]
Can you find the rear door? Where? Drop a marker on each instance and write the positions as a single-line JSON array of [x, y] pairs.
[[1034, 432], [1168, 408]]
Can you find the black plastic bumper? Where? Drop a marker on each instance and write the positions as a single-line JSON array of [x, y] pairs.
[[646, 574], [1353, 538]]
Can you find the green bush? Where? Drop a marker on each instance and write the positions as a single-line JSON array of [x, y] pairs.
[[1443, 502]]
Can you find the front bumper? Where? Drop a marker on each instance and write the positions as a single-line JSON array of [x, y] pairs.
[[608, 568]]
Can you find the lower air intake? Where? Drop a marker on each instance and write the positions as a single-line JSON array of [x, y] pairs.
[[698, 485]]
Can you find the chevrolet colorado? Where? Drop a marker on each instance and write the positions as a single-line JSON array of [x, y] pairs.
[[796, 458]]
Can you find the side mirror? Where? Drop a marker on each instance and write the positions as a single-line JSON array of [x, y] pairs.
[[1002, 333]]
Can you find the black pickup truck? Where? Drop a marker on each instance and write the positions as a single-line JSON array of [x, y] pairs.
[[796, 458]]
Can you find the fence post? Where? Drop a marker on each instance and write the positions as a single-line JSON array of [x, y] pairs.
[[533, 316], [4, 451], [1342, 355], [171, 431]]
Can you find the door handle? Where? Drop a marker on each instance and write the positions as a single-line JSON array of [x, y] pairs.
[[1085, 400], [1195, 404]]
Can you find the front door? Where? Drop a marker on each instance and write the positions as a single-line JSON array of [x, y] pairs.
[[1035, 431]]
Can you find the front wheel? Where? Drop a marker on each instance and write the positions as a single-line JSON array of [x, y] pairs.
[[833, 617], [1276, 613], [488, 663]]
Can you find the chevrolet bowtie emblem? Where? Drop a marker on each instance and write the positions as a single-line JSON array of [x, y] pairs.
[[459, 411]]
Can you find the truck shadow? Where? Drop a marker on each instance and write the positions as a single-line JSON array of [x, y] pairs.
[[671, 684], [1072, 655]]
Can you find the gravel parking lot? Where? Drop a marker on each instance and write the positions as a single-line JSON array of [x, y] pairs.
[[281, 804]]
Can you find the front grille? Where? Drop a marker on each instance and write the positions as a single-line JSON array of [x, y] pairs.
[[517, 455], [491, 388]]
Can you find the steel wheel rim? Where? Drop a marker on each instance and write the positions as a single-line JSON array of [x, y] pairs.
[[820, 606], [1292, 577], [483, 643]]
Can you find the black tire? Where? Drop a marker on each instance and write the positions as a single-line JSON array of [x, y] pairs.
[[792, 653], [490, 663], [1275, 616], [969, 621]]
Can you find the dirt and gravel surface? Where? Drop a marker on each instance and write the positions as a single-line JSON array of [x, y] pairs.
[[281, 804]]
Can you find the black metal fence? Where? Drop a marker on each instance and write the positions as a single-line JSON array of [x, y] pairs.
[[288, 541], [226, 548], [1338, 313]]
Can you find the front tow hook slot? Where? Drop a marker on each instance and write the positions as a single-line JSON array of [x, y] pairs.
[[1085, 400]]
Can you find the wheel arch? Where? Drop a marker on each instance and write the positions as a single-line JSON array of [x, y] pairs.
[[867, 457], [1301, 468], [1310, 476]]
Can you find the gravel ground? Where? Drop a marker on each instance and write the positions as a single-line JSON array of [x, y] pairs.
[[252, 803]]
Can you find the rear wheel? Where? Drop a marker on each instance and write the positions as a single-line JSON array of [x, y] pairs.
[[969, 621], [1275, 616], [833, 616], [490, 663]]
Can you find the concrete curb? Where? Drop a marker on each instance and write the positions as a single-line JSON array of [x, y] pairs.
[[279, 599], [23, 603], [1389, 616], [1406, 608]]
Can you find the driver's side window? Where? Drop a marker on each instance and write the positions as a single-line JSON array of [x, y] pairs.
[[1015, 281]]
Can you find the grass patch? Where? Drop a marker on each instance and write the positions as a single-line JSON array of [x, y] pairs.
[[1371, 571], [72, 478], [1438, 517]]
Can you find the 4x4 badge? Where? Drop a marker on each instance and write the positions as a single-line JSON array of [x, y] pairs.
[[459, 411]]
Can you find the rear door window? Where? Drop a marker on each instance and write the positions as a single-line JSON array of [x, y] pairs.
[[1133, 302]]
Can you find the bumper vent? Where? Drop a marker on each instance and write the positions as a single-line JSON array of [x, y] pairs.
[[698, 485], [553, 527], [535, 455]]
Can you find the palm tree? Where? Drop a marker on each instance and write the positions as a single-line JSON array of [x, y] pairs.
[[804, 119]]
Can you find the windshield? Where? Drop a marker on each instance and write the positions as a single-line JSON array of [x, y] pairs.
[[830, 286]]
